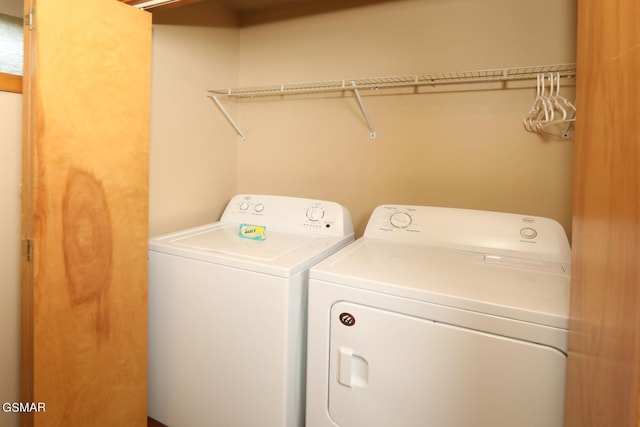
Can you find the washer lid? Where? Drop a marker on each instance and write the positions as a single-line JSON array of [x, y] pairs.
[[225, 239], [281, 254], [517, 288]]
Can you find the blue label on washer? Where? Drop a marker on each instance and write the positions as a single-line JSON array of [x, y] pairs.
[[253, 232]]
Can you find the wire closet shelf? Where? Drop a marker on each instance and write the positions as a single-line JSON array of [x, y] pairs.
[[414, 80]]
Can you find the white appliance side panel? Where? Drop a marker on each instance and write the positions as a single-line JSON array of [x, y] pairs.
[[391, 369], [225, 345]]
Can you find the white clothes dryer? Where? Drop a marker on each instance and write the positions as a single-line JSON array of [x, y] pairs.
[[441, 317], [227, 312]]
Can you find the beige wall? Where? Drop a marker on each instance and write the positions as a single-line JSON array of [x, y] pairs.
[[193, 156], [10, 161], [463, 149], [10, 170]]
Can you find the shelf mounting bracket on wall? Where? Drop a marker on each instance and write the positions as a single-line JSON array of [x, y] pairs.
[[229, 118], [372, 131]]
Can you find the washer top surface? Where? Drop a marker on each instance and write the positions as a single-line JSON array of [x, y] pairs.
[[223, 238], [473, 260], [293, 234]]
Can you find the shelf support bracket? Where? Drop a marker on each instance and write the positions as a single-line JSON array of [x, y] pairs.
[[364, 110], [228, 116]]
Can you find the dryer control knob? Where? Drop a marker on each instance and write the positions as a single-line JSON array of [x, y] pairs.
[[259, 207], [400, 220], [244, 206], [315, 213], [528, 233]]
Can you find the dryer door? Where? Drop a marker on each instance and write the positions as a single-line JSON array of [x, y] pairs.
[[391, 369]]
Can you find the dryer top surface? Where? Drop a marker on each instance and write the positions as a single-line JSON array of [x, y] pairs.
[[517, 288]]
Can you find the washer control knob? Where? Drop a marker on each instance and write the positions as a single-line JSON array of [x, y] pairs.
[[400, 220], [528, 233], [259, 207], [244, 206], [315, 213]]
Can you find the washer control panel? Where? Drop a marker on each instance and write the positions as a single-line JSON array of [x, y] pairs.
[[289, 214], [400, 220], [474, 230]]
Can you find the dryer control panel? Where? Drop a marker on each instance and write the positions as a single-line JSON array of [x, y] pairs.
[[289, 214], [474, 230]]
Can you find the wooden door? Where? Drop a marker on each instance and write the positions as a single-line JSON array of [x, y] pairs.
[[604, 344], [85, 197]]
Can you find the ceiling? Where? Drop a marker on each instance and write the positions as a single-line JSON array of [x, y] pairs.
[[259, 11], [253, 6]]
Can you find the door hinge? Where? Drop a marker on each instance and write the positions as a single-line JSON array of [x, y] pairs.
[[28, 19], [28, 249]]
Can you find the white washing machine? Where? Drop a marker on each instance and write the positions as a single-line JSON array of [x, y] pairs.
[[227, 312], [441, 317]]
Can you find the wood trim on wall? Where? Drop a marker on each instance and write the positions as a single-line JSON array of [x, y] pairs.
[[10, 83]]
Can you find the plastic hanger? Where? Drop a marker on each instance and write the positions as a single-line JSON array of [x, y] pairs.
[[550, 111]]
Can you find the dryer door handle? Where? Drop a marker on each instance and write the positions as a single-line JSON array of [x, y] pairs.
[[353, 369]]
